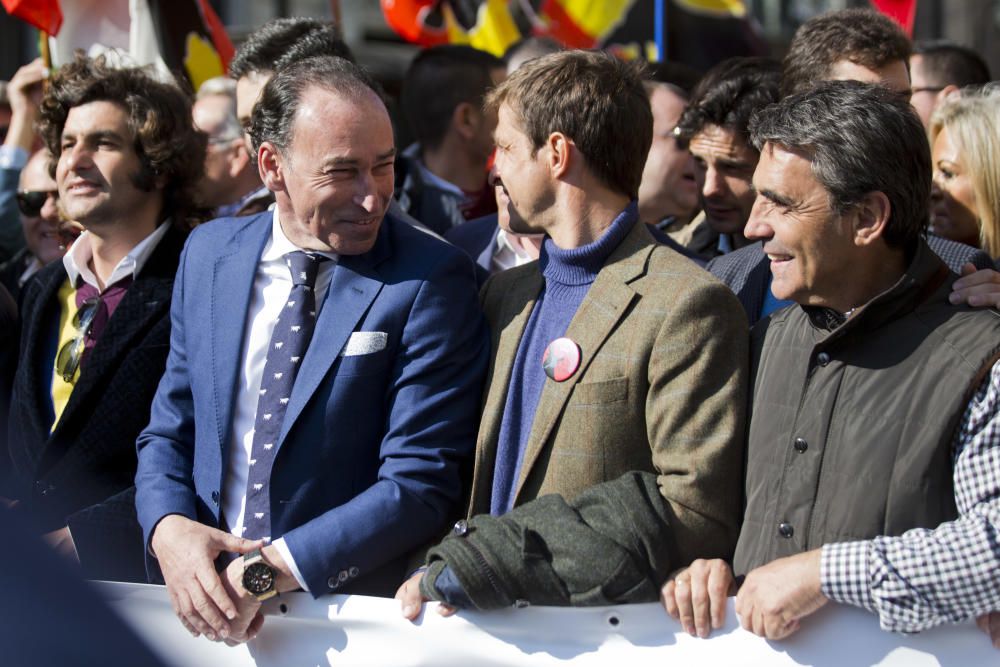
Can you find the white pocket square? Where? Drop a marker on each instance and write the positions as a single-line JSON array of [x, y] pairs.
[[364, 342]]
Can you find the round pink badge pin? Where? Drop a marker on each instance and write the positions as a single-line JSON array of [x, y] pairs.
[[561, 359]]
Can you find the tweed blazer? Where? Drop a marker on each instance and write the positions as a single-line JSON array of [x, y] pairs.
[[82, 471], [661, 388]]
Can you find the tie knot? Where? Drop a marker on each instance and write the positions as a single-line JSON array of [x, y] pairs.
[[303, 266]]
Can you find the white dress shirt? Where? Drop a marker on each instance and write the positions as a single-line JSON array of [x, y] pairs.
[[507, 255], [77, 260], [271, 287]]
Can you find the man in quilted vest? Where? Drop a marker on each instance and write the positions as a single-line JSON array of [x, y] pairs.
[[874, 447]]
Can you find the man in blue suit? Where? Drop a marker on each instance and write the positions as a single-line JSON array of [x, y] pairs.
[[315, 420]]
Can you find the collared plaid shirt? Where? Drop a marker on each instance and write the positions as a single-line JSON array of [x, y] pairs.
[[924, 577]]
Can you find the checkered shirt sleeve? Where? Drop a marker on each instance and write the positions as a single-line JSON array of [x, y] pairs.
[[923, 577]]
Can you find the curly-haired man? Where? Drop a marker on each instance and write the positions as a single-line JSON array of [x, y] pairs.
[[96, 326]]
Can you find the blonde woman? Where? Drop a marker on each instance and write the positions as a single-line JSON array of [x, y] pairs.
[[965, 151]]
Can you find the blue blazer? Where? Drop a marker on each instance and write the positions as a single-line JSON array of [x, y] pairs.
[[373, 448], [477, 238]]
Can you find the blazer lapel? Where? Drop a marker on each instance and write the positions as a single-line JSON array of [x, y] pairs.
[[608, 299], [485, 258], [232, 285], [34, 383], [513, 318], [353, 288], [145, 301]]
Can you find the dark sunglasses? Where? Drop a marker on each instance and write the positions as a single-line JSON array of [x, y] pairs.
[[70, 354], [30, 202]]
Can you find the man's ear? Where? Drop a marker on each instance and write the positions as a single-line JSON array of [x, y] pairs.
[[559, 154], [873, 212], [240, 158], [465, 119], [948, 91], [270, 166]]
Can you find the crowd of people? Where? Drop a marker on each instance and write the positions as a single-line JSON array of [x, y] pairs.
[[735, 333]]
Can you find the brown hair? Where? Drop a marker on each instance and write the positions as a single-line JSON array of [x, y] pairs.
[[861, 35], [594, 99], [159, 118]]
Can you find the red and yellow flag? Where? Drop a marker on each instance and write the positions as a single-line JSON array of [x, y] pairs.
[[493, 25], [698, 33]]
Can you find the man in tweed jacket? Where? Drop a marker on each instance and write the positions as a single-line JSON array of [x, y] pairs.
[[647, 353]]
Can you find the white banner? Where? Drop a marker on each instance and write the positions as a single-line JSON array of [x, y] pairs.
[[355, 630]]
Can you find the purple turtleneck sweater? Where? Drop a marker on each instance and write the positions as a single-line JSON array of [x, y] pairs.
[[568, 276]]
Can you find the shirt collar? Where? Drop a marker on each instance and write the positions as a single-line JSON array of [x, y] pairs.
[[503, 243], [279, 245], [725, 244], [77, 260], [228, 210], [436, 181], [29, 270], [427, 176], [664, 224]]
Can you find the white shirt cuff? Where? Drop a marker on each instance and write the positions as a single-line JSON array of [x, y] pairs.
[[286, 555]]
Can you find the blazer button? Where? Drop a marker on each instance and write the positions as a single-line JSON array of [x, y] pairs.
[[822, 358], [786, 530], [215, 497], [801, 445], [353, 571], [342, 576], [332, 583], [461, 527]]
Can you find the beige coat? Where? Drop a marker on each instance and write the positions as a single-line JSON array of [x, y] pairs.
[[661, 387]]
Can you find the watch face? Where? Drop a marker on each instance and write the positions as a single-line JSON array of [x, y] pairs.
[[258, 578]]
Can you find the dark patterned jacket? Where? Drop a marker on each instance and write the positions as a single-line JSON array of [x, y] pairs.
[[81, 473]]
